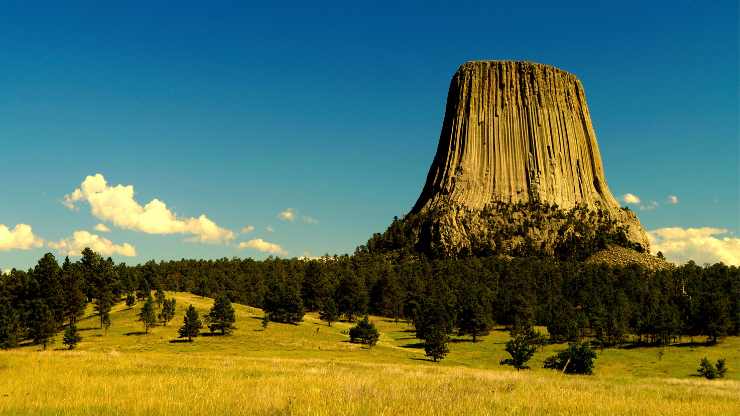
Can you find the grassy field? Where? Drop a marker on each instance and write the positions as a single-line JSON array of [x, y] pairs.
[[312, 369]]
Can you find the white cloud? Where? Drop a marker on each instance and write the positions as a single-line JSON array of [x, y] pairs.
[[102, 228], [287, 215], [21, 237], [672, 199], [631, 198], [263, 246], [310, 220], [247, 229], [269, 229], [74, 245], [703, 245], [117, 205]]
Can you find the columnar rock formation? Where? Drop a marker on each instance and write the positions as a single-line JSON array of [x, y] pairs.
[[514, 133]]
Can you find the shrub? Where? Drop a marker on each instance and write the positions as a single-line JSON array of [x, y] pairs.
[[709, 371], [576, 359], [364, 333]]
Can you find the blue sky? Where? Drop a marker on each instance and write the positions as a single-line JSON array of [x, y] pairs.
[[239, 113]]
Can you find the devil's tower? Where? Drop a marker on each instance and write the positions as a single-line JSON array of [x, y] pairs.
[[517, 164]]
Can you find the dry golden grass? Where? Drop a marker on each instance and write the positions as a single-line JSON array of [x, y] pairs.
[[291, 369]]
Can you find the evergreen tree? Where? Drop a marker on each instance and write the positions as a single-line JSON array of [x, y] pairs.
[[191, 324], [706, 369], [73, 289], [221, 317], [42, 325], [146, 315], [432, 316], [102, 306], [130, 300], [473, 319], [283, 303], [435, 344], [329, 312], [168, 311], [11, 329], [71, 336], [351, 296], [521, 348], [47, 277], [576, 359], [364, 333], [265, 321], [721, 367], [159, 297]]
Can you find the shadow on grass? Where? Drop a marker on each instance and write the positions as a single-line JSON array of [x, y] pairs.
[[657, 346], [135, 333], [180, 341], [429, 360], [417, 345]]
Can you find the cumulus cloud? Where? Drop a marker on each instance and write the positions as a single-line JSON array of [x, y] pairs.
[[287, 215], [672, 199], [630, 198], [263, 246], [102, 228], [703, 245], [247, 229], [269, 229], [74, 245], [21, 237], [117, 205]]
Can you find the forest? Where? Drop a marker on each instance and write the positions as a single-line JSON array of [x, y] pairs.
[[602, 305]]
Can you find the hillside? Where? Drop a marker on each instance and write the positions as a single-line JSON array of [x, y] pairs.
[[310, 368]]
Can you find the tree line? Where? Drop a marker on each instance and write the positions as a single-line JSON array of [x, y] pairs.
[[603, 305]]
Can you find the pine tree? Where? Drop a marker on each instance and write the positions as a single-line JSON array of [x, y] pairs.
[[159, 297], [102, 306], [283, 302], [221, 317], [265, 321], [11, 329], [364, 333], [130, 300], [71, 336], [146, 315], [73, 288], [473, 318], [576, 359], [435, 344], [168, 311], [191, 324], [329, 312], [521, 350], [42, 325], [352, 296]]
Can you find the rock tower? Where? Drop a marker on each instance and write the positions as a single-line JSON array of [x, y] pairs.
[[519, 134]]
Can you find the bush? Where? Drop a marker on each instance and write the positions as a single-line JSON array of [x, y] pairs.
[[364, 333], [576, 359], [709, 371]]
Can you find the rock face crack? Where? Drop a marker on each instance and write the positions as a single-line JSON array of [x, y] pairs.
[[517, 133]]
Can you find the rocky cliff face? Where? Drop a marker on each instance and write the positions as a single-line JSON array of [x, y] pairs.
[[519, 134]]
